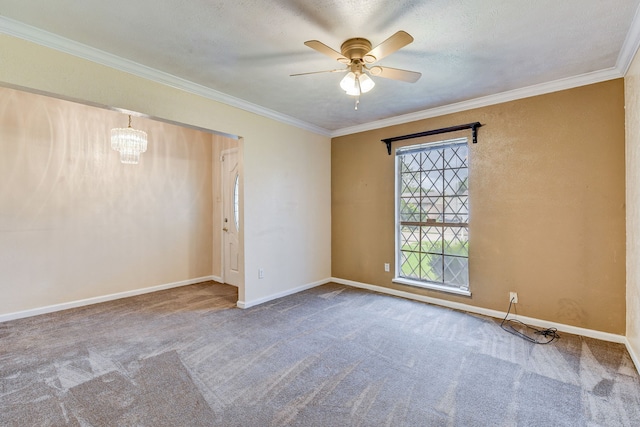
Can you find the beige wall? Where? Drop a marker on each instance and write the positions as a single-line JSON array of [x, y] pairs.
[[265, 148], [75, 223], [547, 206], [632, 105]]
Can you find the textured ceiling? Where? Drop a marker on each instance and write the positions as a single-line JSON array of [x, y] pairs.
[[248, 48]]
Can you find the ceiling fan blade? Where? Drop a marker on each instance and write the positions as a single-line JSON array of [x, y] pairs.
[[387, 47], [395, 74], [326, 50], [342, 70]]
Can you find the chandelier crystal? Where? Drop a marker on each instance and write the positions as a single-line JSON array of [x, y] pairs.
[[129, 143]]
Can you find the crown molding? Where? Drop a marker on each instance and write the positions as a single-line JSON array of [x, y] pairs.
[[44, 38], [630, 45], [512, 95], [625, 57], [53, 41]]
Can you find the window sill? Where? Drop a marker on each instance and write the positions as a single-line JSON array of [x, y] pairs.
[[430, 285]]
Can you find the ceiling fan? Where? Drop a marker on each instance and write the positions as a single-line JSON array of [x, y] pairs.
[[357, 55]]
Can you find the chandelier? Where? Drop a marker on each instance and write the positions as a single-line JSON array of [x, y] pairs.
[[129, 142]]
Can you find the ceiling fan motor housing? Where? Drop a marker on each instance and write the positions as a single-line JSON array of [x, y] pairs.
[[357, 49]]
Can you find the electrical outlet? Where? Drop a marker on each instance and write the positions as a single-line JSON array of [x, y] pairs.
[[513, 297], [386, 266], [260, 273]]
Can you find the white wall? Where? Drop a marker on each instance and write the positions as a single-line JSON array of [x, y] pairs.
[[286, 169], [288, 185], [632, 113]]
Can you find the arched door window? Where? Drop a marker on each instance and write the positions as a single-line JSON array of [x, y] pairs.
[[236, 202]]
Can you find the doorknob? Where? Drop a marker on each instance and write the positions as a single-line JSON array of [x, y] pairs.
[[225, 229]]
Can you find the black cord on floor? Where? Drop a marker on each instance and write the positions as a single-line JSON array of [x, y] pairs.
[[549, 334]]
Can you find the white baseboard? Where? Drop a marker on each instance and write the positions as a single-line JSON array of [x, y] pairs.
[[96, 300], [634, 356], [247, 304], [604, 336], [216, 279]]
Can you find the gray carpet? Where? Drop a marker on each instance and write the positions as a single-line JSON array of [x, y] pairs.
[[330, 356]]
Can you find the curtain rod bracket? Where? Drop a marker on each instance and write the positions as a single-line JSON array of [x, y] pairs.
[[388, 146], [474, 132], [473, 126]]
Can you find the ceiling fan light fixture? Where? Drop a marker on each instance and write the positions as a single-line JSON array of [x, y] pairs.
[[349, 83], [355, 84], [366, 83]]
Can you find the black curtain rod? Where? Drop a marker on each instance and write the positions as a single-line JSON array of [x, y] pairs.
[[473, 126]]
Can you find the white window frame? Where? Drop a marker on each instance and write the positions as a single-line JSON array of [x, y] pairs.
[[398, 227]]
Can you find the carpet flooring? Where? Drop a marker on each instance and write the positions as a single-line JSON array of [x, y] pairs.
[[329, 356]]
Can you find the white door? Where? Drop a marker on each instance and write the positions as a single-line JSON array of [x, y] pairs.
[[231, 216]]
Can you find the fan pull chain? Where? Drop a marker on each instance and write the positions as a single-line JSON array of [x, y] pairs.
[[357, 102]]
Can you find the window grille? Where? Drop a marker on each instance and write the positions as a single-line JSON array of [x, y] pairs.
[[432, 214]]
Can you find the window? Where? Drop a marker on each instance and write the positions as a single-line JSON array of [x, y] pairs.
[[432, 215], [236, 202]]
